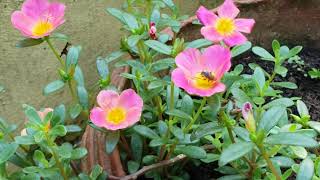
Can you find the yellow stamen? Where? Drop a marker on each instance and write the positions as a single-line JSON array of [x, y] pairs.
[[47, 127], [204, 80], [116, 115], [41, 28], [225, 26]]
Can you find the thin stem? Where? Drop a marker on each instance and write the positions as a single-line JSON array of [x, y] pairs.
[[47, 39], [171, 105], [269, 163], [194, 119]]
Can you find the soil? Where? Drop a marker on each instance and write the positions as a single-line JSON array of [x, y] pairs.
[[308, 89]]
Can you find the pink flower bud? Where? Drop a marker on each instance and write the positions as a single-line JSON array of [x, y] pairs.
[[153, 31], [247, 114]]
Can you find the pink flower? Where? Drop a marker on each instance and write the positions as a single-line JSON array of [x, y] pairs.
[[224, 27], [117, 111], [247, 114], [200, 74], [153, 31], [42, 114], [38, 18]]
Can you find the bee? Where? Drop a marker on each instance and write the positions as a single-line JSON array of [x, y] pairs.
[[208, 75]]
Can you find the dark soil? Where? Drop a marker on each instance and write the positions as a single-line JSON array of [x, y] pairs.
[[308, 89]]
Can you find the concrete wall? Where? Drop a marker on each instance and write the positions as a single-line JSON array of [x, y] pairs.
[[24, 72]]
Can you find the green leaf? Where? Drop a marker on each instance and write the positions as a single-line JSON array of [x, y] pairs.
[[205, 129], [264, 54], [95, 173], [58, 130], [136, 147], [73, 128], [155, 84], [240, 95], [293, 139], [124, 17], [283, 161], [59, 36], [276, 48], [177, 132], [52, 87], [302, 109], [271, 118], [79, 153], [25, 140], [159, 47], [162, 64], [78, 76], [40, 159], [112, 140], [103, 68], [288, 85], [191, 151], [233, 177], [294, 51], [315, 125], [83, 96], [73, 56], [28, 42], [199, 43], [39, 136], [75, 110], [145, 131], [187, 104], [285, 102], [114, 55], [7, 150], [299, 151], [211, 158], [306, 170], [240, 49], [133, 167], [32, 115], [235, 151], [162, 128], [281, 70], [133, 40], [258, 76], [179, 114], [59, 114]]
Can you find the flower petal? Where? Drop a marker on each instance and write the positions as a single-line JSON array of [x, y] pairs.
[[235, 39], [211, 34], [107, 99], [228, 10], [35, 8], [219, 87], [218, 59], [244, 25], [130, 99], [98, 117], [205, 16], [133, 116], [189, 60], [22, 23], [56, 12]]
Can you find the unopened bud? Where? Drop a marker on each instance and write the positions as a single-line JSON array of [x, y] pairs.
[[248, 117], [153, 31]]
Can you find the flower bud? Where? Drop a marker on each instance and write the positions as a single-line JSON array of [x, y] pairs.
[[153, 31], [248, 117]]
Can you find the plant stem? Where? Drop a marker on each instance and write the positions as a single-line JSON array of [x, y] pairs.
[[269, 163], [47, 39], [171, 105], [59, 164], [194, 119]]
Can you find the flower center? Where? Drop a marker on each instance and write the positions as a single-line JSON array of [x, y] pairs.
[[204, 80], [116, 115], [41, 28], [225, 26]]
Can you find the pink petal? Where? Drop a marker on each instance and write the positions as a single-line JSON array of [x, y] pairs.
[[205, 16], [107, 99], [219, 87], [235, 39], [218, 59], [22, 23], [211, 34], [42, 114], [130, 99], [98, 117], [228, 10], [133, 116], [189, 60], [114, 127], [244, 25], [35, 8], [56, 13]]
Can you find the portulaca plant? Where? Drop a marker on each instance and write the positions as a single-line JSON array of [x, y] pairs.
[[187, 103]]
